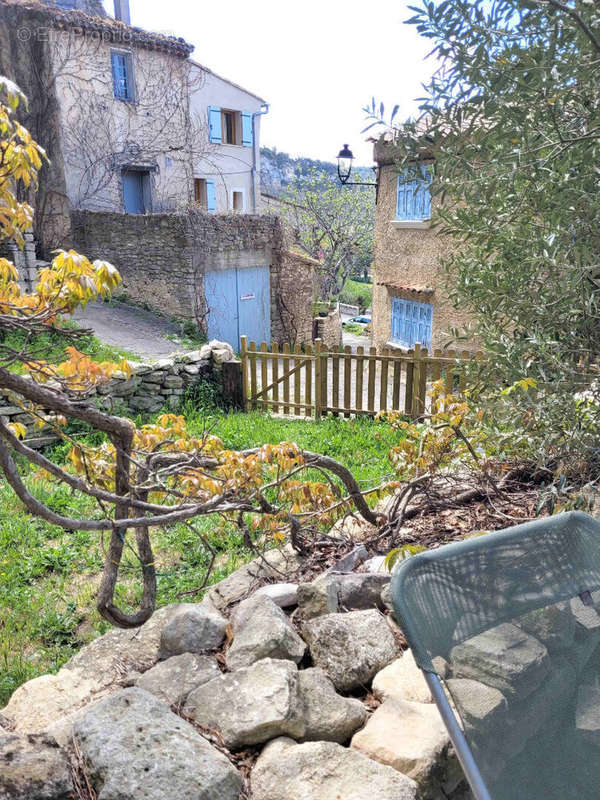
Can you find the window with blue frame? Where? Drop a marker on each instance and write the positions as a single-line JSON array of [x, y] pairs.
[[412, 323], [414, 196], [122, 69]]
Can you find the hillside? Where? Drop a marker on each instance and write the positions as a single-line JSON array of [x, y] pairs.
[[279, 169]]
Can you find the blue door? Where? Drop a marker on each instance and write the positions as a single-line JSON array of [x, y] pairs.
[[254, 304], [133, 192], [239, 304], [220, 290]]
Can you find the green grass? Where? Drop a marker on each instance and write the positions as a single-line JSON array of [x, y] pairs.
[[52, 346], [49, 577]]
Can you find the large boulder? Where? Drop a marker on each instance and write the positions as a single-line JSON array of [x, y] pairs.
[[172, 680], [336, 591], [403, 680], [553, 626], [95, 671], [587, 714], [262, 630], [411, 738], [481, 707], [327, 715], [251, 705], [504, 657], [33, 768], [136, 747], [193, 628], [284, 595], [351, 647], [270, 565], [324, 771]]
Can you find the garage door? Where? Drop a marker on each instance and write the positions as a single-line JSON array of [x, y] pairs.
[[239, 304]]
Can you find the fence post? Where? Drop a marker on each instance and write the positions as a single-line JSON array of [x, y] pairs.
[[244, 354], [418, 402], [318, 386], [410, 381]]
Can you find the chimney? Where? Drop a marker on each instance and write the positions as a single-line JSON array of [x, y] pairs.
[[122, 11]]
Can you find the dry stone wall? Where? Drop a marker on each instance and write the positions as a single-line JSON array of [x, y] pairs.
[[150, 388]]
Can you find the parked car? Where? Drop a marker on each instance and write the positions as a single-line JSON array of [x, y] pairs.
[[361, 320]]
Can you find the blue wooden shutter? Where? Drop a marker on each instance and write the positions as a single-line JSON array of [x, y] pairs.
[[211, 196], [397, 319], [414, 197], [121, 69], [247, 133], [215, 130]]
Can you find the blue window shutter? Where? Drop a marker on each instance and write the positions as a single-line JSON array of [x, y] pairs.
[[121, 69], [211, 196], [414, 197], [215, 131], [247, 134]]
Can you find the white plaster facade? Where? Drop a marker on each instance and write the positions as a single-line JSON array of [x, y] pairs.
[[234, 169]]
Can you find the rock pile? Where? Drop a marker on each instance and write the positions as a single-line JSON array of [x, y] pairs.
[[303, 687]]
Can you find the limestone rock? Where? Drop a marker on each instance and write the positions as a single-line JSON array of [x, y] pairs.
[[403, 680], [284, 595], [262, 630], [327, 715], [33, 768], [194, 627], [136, 747], [324, 771], [504, 657], [479, 706], [410, 737], [251, 705], [172, 680], [272, 564], [553, 626], [587, 714], [351, 647], [317, 598], [375, 564], [358, 591]]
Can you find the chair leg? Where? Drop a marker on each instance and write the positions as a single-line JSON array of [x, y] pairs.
[[463, 751]]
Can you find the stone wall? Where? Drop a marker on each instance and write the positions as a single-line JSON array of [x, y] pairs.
[[163, 258], [408, 257], [329, 329], [294, 294], [150, 388]]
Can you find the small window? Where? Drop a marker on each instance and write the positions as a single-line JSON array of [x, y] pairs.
[[229, 127], [122, 69], [200, 192], [412, 323], [237, 200], [414, 197]]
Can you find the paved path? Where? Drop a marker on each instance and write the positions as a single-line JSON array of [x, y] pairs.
[[131, 328]]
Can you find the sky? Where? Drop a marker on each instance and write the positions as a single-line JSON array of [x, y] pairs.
[[317, 63]]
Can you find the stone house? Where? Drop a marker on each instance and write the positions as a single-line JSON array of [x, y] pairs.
[[135, 129], [226, 175], [410, 303]]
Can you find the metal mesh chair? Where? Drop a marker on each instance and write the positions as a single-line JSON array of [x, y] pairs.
[[506, 628]]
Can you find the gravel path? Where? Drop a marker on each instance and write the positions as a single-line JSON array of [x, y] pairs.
[[131, 328]]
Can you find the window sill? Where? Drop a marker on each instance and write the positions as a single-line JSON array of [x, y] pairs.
[[397, 346], [415, 224]]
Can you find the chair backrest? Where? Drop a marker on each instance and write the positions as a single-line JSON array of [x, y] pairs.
[[510, 622]]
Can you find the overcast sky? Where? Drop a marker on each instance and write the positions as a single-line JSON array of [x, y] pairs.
[[317, 62]]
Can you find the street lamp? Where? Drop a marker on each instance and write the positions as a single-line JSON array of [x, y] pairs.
[[345, 159]]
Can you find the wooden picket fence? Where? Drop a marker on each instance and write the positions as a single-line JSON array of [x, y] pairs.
[[312, 381]]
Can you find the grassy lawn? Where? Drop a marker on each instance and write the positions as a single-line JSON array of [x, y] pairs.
[[52, 347], [48, 577]]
